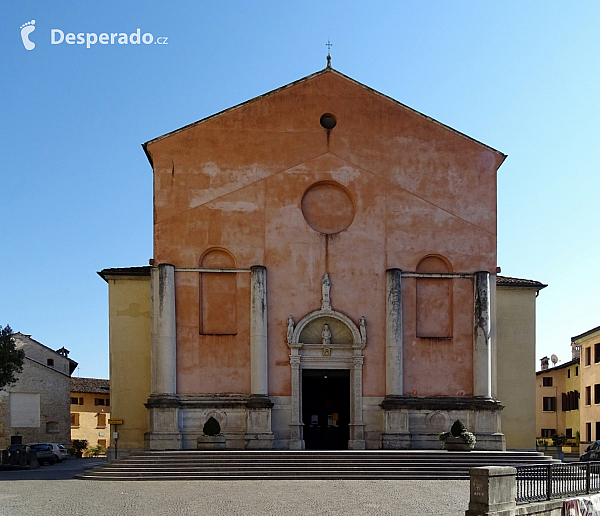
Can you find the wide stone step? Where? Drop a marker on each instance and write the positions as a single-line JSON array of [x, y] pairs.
[[305, 465]]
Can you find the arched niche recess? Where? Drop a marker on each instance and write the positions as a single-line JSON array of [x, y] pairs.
[[434, 299], [218, 293]]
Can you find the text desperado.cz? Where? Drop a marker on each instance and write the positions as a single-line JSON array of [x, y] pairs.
[[57, 36]]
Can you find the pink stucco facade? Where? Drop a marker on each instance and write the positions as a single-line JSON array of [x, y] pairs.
[[265, 184]]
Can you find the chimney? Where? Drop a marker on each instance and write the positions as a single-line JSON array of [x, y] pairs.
[[545, 362], [575, 350]]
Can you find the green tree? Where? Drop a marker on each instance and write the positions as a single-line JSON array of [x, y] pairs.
[[11, 358]]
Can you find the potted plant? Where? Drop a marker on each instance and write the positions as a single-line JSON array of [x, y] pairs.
[[212, 438], [458, 438], [79, 445]]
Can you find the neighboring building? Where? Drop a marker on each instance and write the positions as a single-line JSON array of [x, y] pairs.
[[515, 337], [376, 227], [36, 407], [90, 410], [557, 399], [588, 345]]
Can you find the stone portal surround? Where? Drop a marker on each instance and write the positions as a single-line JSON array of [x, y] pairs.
[[327, 355]]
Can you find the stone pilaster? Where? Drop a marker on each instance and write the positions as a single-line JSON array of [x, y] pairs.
[[396, 434], [163, 406], [258, 331], [296, 433], [393, 334], [258, 425], [482, 345], [357, 425]]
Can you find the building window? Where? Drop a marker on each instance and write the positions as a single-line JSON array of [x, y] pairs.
[[100, 402], [74, 419], [588, 432], [588, 356], [597, 429], [548, 432], [547, 381], [576, 370], [101, 419], [52, 427], [76, 401], [588, 395], [50, 361], [597, 393], [569, 433], [549, 404], [569, 373], [102, 442], [596, 353]]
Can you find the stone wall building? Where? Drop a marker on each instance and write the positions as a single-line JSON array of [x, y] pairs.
[[324, 276], [90, 410], [36, 407]]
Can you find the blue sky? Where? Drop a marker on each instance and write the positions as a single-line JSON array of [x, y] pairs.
[[521, 77]]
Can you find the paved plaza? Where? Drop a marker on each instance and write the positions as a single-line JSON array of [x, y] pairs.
[[52, 490]]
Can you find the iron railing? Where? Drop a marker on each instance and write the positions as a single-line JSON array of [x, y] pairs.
[[542, 482]]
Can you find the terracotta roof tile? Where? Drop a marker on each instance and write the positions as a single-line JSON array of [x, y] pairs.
[[94, 385], [507, 281]]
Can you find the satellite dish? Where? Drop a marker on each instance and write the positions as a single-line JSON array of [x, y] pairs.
[[554, 359]]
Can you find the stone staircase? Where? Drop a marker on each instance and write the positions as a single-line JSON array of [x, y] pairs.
[[306, 465]]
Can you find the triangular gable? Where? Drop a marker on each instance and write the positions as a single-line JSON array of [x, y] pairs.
[[305, 79]]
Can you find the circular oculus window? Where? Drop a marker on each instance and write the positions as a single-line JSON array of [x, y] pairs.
[[327, 208], [328, 121]]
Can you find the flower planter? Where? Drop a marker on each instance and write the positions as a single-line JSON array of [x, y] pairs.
[[211, 442], [457, 444]]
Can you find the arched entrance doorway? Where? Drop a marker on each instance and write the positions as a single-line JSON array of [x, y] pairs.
[[326, 343]]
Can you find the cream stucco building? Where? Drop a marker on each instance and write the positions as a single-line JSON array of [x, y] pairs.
[[90, 410]]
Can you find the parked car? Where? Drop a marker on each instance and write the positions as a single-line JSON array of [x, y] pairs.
[[16, 447], [59, 451], [44, 453], [592, 452]]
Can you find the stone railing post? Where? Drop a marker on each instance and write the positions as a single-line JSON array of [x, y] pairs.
[[493, 491]]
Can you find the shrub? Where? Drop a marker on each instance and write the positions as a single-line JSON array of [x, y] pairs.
[[94, 451], [79, 444]]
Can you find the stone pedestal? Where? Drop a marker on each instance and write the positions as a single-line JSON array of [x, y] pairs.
[[396, 435], [163, 423], [416, 421], [259, 435], [493, 491]]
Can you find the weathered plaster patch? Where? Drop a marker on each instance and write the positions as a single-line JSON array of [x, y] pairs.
[[345, 174], [233, 180], [234, 206], [211, 169]]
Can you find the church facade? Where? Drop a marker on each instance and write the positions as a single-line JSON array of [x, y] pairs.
[[324, 276]]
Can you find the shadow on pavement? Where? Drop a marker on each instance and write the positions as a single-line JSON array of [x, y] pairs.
[[66, 470]]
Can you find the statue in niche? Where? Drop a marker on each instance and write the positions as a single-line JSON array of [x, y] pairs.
[[290, 329], [326, 335], [363, 330], [325, 288]]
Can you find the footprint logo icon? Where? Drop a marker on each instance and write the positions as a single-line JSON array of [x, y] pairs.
[[26, 30]]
